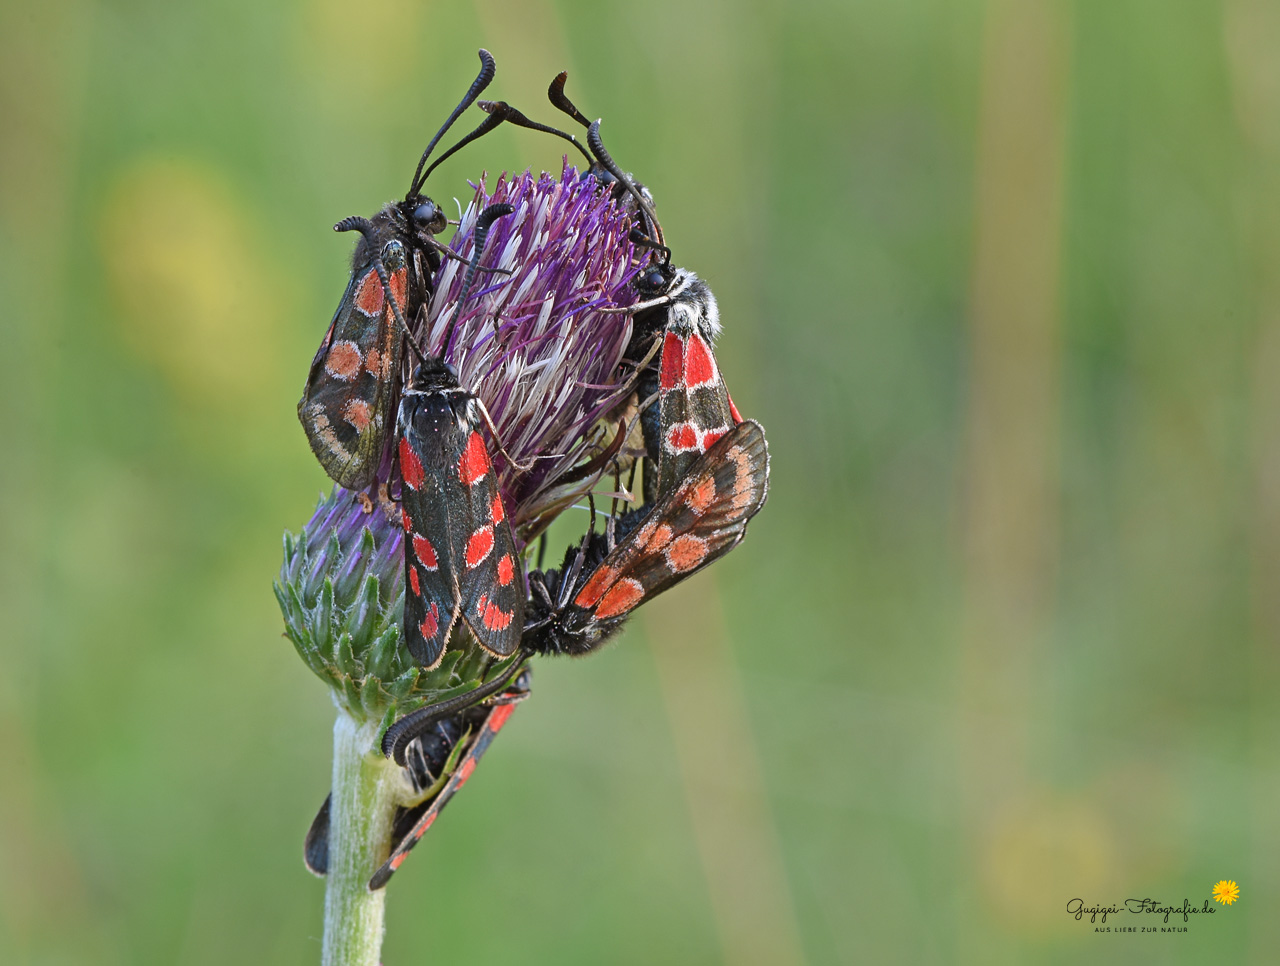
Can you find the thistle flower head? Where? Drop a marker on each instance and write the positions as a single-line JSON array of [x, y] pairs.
[[535, 345], [341, 590], [537, 349]]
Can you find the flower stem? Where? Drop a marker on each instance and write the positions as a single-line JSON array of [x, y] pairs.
[[360, 817]]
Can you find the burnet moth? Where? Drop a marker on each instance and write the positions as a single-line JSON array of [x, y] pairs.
[[710, 468], [460, 555], [693, 407], [346, 406], [446, 753], [576, 609]]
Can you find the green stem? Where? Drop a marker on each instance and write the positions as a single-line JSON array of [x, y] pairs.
[[365, 786]]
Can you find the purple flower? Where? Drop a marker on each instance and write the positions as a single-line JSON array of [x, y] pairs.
[[534, 345], [546, 361]]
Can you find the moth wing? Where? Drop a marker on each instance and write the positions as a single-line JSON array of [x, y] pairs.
[[429, 506], [694, 407], [490, 572], [411, 826], [699, 521], [346, 405]]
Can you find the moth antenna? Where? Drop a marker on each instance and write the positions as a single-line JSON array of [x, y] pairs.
[[506, 112], [365, 227], [483, 79], [483, 128], [607, 162], [400, 734], [479, 236], [637, 237], [561, 102]]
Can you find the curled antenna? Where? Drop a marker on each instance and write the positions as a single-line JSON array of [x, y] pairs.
[[607, 162], [640, 239], [505, 112], [487, 70], [400, 734], [561, 102], [480, 235], [483, 128], [365, 227]]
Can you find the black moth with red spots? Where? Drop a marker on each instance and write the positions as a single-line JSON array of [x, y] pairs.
[[693, 409], [348, 402], [449, 750], [576, 609], [460, 554]]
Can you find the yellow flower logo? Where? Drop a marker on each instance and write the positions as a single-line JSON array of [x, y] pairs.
[[1226, 892]]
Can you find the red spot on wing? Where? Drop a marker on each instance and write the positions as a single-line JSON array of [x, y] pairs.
[[410, 466], [479, 546], [356, 412], [699, 366], [622, 597], [733, 411], [744, 486], [343, 360], [413, 581], [399, 282], [496, 513], [404, 521], [595, 588], [495, 618], [373, 363], [710, 436], [506, 570], [658, 538], [395, 863], [464, 773], [672, 361], [369, 298], [430, 623], [421, 831], [703, 492], [474, 463], [686, 552], [425, 551], [499, 717], [682, 437]]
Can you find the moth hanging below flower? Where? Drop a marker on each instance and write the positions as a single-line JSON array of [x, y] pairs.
[[460, 555], [349, 397], [446, 753]]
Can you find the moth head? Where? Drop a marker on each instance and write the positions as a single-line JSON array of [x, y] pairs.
[[426, 216]]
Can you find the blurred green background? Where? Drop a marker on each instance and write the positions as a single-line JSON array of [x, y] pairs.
[[1002, 281]]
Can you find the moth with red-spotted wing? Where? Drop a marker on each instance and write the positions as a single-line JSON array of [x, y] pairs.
[[436, 765], [347, 404], [460, 557], [576, 609]]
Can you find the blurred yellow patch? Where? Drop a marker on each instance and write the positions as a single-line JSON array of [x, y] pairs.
[[1226, 892], [356, 53], [1039, 853], [193, 294]]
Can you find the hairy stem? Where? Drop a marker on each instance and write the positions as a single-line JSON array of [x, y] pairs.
[[360, 816]]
